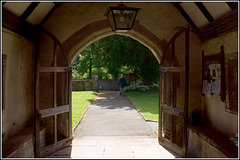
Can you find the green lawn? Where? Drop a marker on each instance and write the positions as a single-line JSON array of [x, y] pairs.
[[80, 102], [146, 102]]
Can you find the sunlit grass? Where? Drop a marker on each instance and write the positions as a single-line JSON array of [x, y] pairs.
[[146, 102], [80, 102]]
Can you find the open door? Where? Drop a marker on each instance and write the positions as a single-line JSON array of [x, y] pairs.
[[173, 94], [53, 78]]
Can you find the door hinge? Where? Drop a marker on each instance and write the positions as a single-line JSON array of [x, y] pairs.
[[68, 69]]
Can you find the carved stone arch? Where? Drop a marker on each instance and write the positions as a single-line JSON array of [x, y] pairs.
[[100, 29]]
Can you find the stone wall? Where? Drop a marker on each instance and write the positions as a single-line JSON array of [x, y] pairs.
[[94, 84], [81, 85]]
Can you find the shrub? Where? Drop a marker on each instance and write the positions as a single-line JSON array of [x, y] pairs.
[[154, 86], [140, 87], [137, 87]]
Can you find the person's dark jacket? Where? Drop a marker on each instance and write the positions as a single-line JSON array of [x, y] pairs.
[[122, 82]]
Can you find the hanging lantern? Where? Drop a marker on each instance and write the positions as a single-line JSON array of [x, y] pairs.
[[121, 17]]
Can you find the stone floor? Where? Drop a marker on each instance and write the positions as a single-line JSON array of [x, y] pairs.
[[114, 147]]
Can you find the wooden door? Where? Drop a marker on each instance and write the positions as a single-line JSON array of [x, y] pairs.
[[53, 73], [173, 94]]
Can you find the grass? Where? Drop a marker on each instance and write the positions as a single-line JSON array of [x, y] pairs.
[[146, 102], [80, 102]]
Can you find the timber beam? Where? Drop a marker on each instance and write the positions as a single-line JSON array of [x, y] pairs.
[[29, 10], [217, 27], [232, 5], [204, 11], [11, 22], [222, 25], [185, 15]]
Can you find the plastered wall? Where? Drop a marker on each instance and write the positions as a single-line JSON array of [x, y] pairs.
[[19, 82], [217, 117]]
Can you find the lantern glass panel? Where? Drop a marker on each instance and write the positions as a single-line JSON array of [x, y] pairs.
[[124, 18], [111, 20]]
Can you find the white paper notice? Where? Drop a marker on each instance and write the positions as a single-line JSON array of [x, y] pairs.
[[216, 86], [204, 88], [209, 88]]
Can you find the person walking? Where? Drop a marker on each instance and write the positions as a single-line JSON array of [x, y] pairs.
[[122, 83]]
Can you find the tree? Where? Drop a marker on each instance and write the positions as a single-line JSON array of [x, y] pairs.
[[117, 54], [83, 63]]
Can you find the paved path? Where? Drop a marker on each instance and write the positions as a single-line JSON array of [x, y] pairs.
[[112, 128], [112, 115]]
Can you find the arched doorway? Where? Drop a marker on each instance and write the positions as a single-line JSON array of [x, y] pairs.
[[171, 110], [55, 61]]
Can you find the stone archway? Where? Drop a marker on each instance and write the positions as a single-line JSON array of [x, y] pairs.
[[100, 29]]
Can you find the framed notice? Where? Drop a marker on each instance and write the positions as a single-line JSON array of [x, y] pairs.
[[213, 74]]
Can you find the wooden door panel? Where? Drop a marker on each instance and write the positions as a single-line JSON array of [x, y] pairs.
[[173, 94], [62, 126], [53, 95], [180, 90]]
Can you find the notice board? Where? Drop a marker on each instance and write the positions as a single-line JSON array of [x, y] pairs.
[[213, 74]]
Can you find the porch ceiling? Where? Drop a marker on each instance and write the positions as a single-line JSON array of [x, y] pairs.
[[59, 16]]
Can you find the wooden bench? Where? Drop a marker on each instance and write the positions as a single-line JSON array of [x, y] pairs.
[[206, 142], [21, 145]]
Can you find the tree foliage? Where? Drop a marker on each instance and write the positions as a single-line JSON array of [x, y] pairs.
[[113, 55]]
